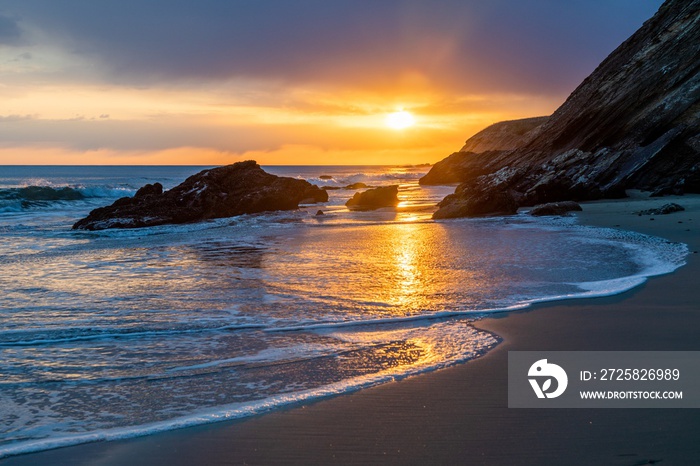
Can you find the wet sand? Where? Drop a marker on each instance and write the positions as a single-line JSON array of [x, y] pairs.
[[460, 415]]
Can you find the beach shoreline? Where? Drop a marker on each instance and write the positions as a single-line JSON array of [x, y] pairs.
[[460, 414]]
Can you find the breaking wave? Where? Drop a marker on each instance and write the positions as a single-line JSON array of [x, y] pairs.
[[28, 197]]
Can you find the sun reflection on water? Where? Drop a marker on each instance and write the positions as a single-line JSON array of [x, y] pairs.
[[405, 247], [380, 271]]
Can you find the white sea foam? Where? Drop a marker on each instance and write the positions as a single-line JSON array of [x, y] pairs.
[[422, 318], [345, 179], [462, 344]]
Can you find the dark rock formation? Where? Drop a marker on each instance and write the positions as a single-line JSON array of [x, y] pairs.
[[663, 210], [241, 188], [325, 177], [555, 208], [386, 196], [149, 190], [634, 123], [476, 204]]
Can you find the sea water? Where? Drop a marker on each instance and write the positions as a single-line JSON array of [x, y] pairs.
[[118, 333]]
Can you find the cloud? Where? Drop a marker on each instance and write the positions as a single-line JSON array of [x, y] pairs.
[[288, 80], [15, 118], [458, 44]]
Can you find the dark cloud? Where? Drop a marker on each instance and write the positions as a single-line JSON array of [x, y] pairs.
[[10, 33], [474, 45]]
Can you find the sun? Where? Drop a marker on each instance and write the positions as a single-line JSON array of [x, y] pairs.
[[400, 120]]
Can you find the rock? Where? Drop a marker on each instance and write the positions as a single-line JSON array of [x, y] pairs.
[[663, 210], [150, 190], [555, 208], [488, 203], [240, 188], [632, 124], [386, 196], [319, 212], [326, 177], [356, 186]]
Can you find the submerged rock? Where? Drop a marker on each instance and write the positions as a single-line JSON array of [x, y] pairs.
[[632, 124], [356, 186], [663, 210], [240, 188], [555, 208], [386, 196]]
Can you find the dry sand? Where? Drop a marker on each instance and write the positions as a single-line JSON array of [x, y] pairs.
[[460, 415]]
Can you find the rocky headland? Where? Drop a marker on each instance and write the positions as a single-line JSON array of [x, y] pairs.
[[499, 137], [634, 123]]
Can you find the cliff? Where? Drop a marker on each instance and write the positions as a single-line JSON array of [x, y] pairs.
[[506, 135], [634, 123]]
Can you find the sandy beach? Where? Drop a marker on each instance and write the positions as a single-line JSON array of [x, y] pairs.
[[459, 415]]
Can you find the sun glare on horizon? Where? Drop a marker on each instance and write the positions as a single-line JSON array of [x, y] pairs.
[[400, 120]]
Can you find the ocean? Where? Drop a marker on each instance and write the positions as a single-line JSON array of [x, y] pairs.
[[119, 333]]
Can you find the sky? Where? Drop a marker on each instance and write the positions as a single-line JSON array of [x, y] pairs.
[[211, 82]]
